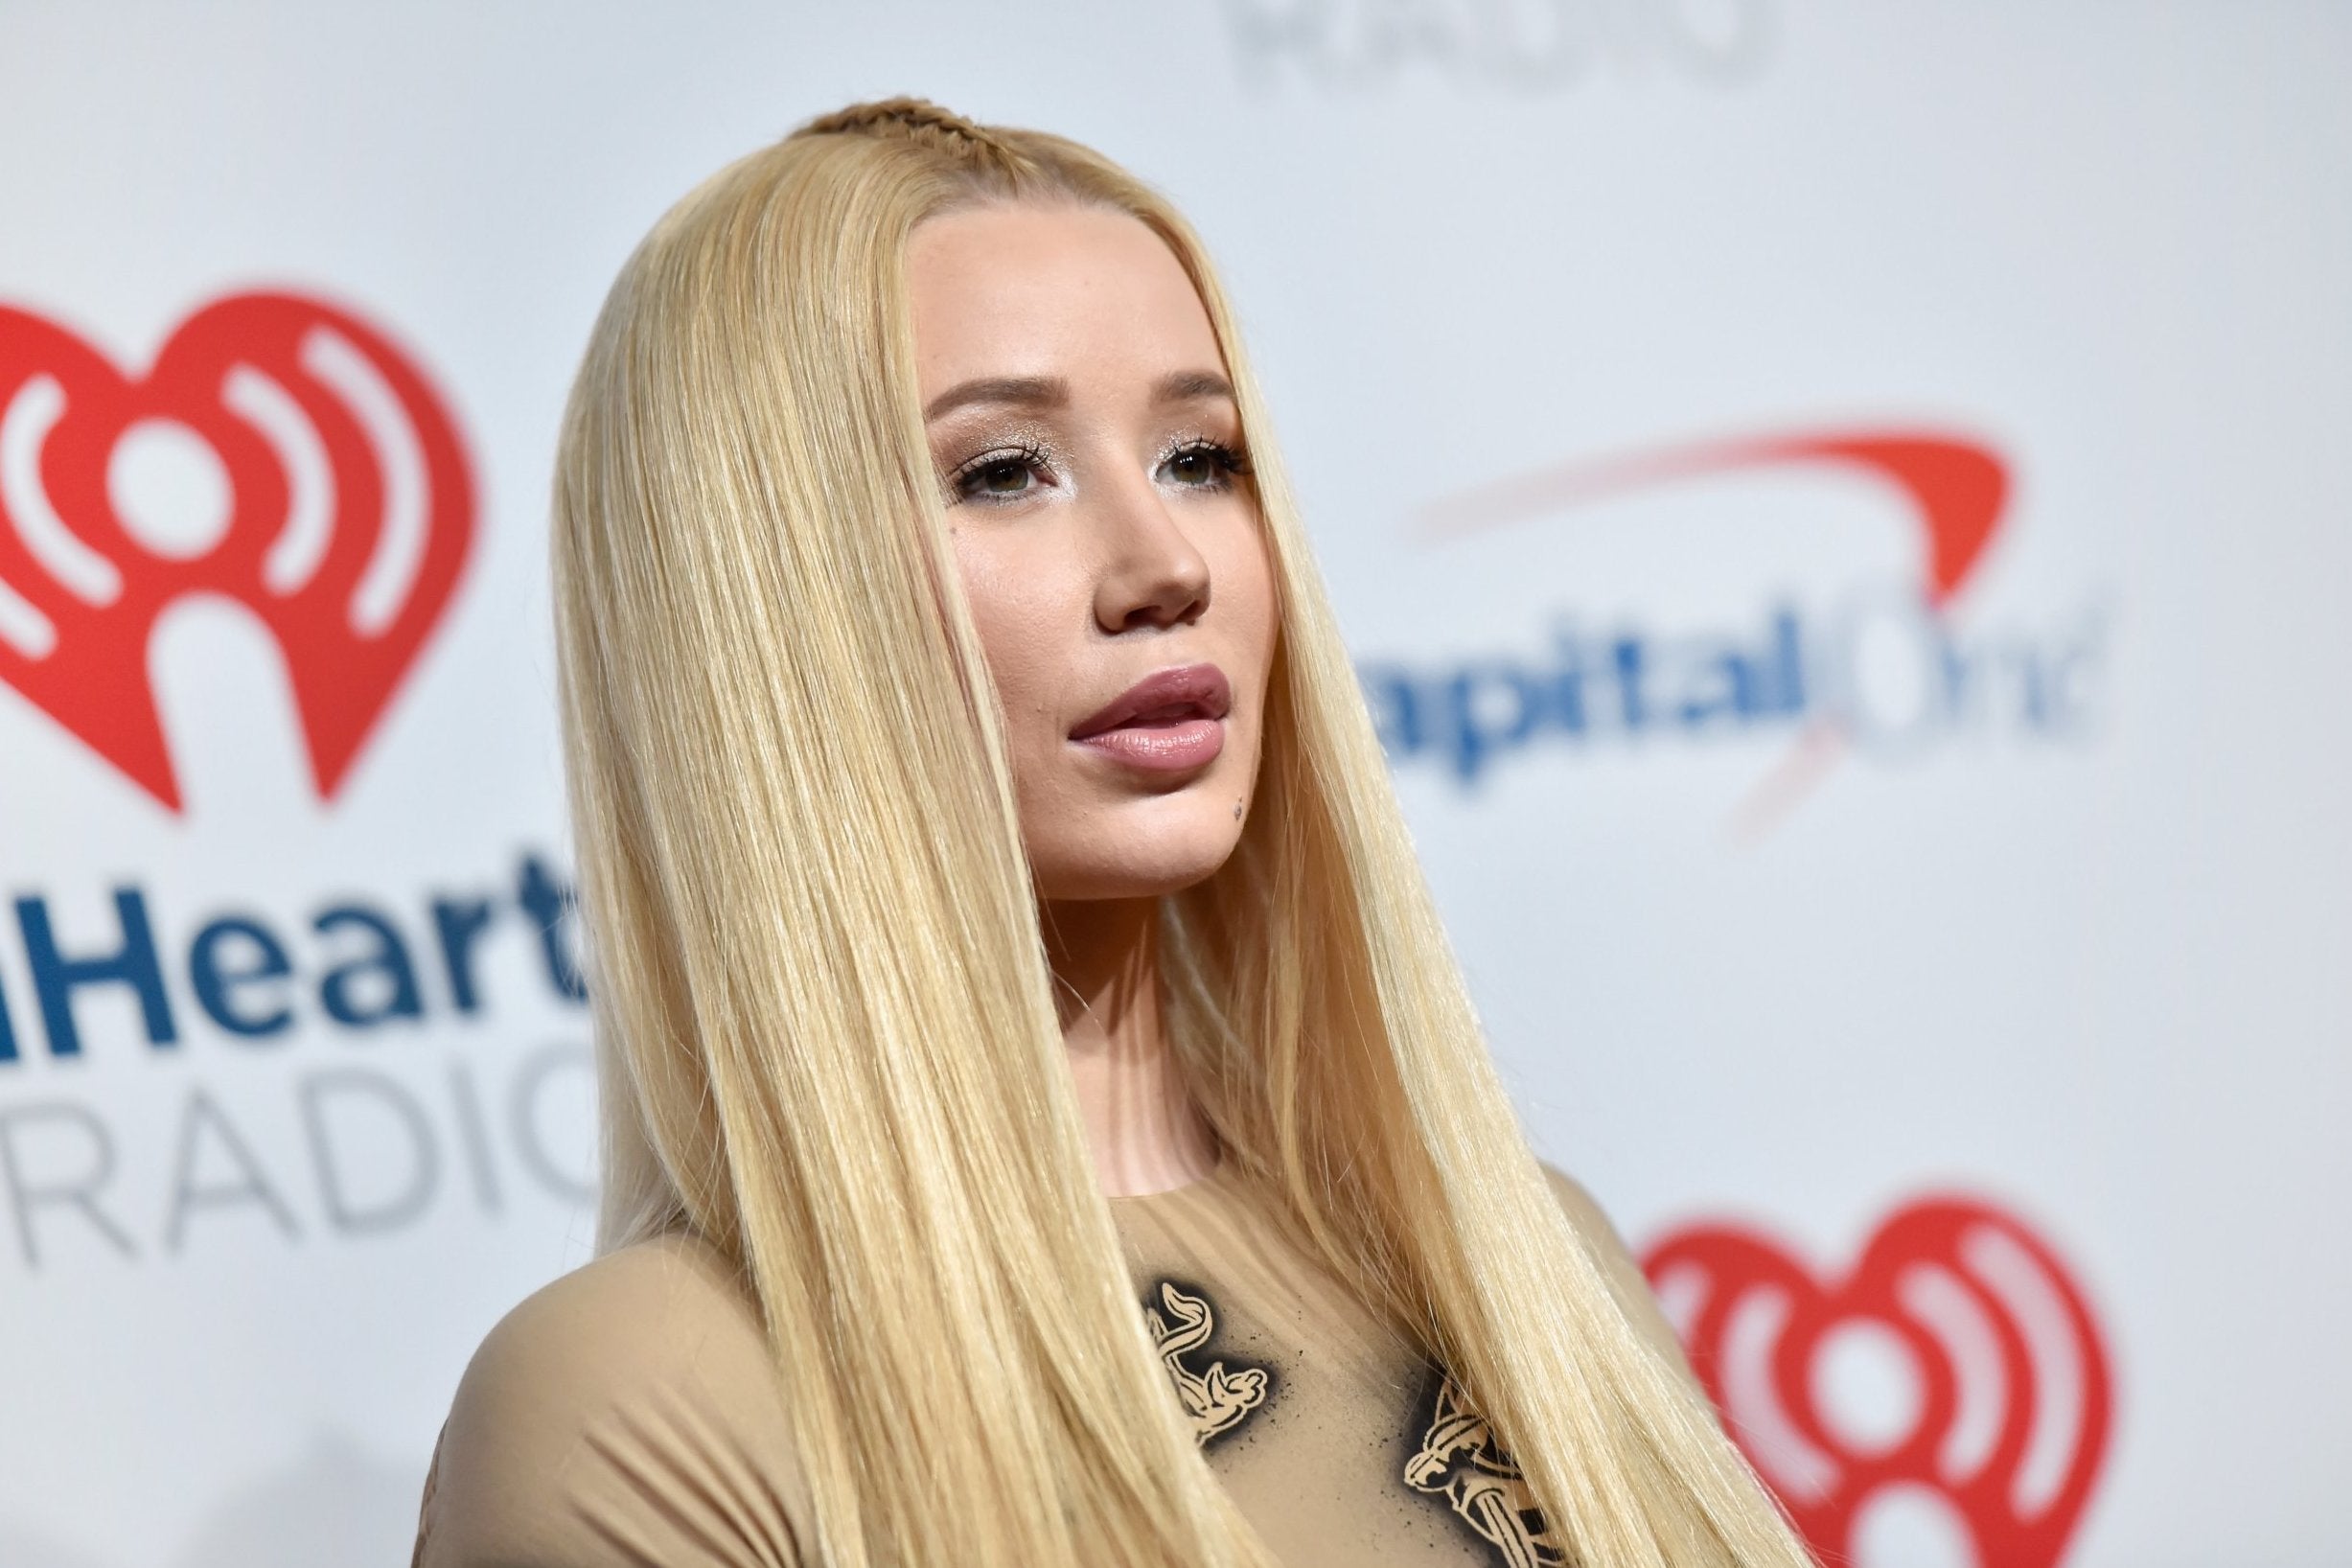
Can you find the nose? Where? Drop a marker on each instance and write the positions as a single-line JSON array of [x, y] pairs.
[[1152, 576]]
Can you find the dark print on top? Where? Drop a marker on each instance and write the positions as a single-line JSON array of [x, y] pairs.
[[1216, 1401], [1456, 1458]]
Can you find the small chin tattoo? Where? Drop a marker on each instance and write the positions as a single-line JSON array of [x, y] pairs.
[[1236, 810]]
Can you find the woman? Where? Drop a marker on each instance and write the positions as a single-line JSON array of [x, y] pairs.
[[997, 909]]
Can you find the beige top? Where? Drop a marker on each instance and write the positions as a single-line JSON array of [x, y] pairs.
[[628, 1412]]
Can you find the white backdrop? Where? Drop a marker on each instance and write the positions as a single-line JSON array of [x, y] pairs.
[[1818, 846]]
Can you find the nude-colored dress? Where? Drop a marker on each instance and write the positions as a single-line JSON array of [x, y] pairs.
[[628, 1412]]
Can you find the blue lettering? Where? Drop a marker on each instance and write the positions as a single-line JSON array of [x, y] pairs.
[[56, 977], [1891, 672], [1630, 660], [549, 904], [1725, 685], [1568, 682], [388, 959], [1475, 728], [215, 982], [458, 925], [1786, 665]]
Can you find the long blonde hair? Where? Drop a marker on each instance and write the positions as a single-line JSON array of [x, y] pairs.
[[824, 1018]]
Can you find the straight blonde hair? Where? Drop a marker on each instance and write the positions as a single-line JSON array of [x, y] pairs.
[[825, 1032]]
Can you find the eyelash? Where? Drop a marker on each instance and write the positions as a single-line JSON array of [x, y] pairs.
[[1229, 463], [1028, 453]]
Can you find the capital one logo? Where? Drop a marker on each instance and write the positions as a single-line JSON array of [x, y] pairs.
[[1880, 667], [1947, 1401], [280, 451]]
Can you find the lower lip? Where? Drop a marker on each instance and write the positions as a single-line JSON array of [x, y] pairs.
[[1168, 749]]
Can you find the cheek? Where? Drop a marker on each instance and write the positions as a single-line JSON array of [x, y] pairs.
[[1017, 607], [1245, 591]]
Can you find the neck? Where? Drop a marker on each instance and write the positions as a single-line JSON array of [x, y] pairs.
[[1141, 1126]]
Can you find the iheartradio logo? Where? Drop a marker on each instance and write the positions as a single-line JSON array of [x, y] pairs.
[[281, 452], [1948, 1403]]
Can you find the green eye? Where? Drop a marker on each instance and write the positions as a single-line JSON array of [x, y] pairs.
[[1007, 476], [1002, 476]]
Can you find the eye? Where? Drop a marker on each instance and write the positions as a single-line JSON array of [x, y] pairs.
[[1005, 477], [1201, 465], [1005, 474]]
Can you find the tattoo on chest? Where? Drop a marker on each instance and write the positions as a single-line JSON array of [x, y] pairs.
[[1217, 1399], [1458, 1459], [1451, 1455]]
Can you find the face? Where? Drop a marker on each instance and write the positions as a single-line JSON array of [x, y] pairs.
[[1107, 534]]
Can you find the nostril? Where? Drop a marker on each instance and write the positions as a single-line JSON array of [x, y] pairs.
[[1156, 578], [1170, 611]]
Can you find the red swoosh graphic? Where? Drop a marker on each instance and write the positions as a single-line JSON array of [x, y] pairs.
[[1957, 488]]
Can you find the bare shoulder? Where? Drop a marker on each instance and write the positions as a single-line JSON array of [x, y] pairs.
[[627, 1411], [1624, 1276]]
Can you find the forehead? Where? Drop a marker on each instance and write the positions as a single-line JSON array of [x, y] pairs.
[[1034, 289]]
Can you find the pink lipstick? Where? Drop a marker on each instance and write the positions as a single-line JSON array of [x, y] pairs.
[[1167, 721]]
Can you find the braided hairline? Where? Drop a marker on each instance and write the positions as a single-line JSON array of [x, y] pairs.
[[908, 117]]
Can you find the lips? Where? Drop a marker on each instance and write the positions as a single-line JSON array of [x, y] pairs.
[[1169, 720]]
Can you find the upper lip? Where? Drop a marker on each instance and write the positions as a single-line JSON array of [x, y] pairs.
[[1188, 691]]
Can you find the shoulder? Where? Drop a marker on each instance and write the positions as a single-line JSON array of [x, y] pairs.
[[628, 1412], [646, 1315], [1624, 1277]]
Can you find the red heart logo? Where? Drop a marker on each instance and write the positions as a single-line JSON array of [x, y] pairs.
[[1955, 1383], [281, 452]]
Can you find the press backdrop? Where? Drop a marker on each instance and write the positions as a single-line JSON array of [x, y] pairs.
[[1842, 511]]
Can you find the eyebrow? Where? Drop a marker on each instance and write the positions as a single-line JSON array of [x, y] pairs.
[[1054, 392]]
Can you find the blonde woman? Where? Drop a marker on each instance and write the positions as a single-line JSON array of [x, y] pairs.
[[1043, 1122]]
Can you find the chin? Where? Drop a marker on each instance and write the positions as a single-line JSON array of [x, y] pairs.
[[1125, 859]]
